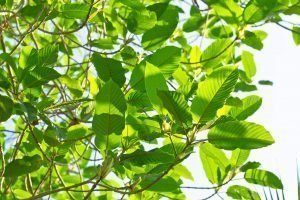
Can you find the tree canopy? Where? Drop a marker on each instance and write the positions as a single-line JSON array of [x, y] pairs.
[[105, 99]]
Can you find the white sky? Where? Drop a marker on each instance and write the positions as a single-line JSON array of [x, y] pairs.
[[279, 113]]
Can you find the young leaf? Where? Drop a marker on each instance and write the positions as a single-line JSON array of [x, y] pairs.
[[264, 178], [213, 92], [239, 134]]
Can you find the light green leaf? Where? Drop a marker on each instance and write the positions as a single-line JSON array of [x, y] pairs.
[[239, 157], [77, 131], [109, 110], [216, 52], [75, 10], [213, 92], [214, 162], [154, 81], [250, 105], [296, 35], [249, 64], [264, 178], [167, 59], [240, 192], [239, 134], [6, 108]]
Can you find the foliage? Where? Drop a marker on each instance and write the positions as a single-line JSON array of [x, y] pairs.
[[106, 99]]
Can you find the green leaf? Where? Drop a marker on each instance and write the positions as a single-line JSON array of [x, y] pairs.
[[108, 68], [109, 110], [157, 36], [239, 157], [47, 56], [154, 81], [73, 85], [140, 21], [77, 131], [137, 79], [75, 10], [166, 184], [193, 23], [140, 157], [239, 134], [108, 124], [250, 165], [39, 76], [26, 165], [253, 13], [213, 92], [220, 32], [216, 52], [241, 192], [252, 40], [214, 162], [265, 82], [6, 108], [176, 105], [296, 35], [167, 59], [19, 193], [250, 105], [264, 178], [249, 64]]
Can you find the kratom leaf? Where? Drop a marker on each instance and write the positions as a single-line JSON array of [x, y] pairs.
[[26, 165], [39, 76], [75, 10], [154, 81], [214, 162], [213, 92], [296, 35], [176, 105], [250, 105], [264, 178], [167, 59], [249, 64], [108, 68], [6, 108], [239, 157], [155, 37], [241, 192], [109, 110], [239, 134]]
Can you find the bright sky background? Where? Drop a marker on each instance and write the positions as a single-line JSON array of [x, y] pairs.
[[279, 113]]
